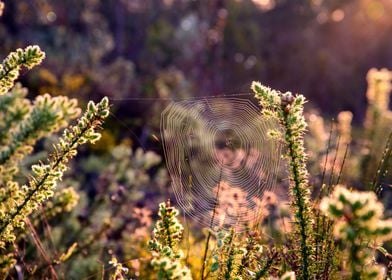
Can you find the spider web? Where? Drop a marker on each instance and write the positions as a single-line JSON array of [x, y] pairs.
[[221, 159]]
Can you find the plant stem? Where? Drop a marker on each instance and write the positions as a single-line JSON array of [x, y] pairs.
[[300, 197], [382, 165], [210, 228]]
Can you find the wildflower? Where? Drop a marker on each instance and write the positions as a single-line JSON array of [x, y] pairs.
[[171, 269], [167, 257], [316, 128], [379, 87], [26, 199], [359, 224], [378, 120], [344, 126], [46, 116], [11, 65], [358, 213], [63, 201], [234, 207], [135, 266], [287, 109], [143, 215], [119, 272]]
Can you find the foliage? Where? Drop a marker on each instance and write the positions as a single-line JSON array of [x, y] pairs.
[[23, 125], [96, 220], [288, 110], [250, 255], [155, 47], [164, 245], [11, 65], [119, 271], [360, 227], [47, 115], [27, 198], [309, 250]]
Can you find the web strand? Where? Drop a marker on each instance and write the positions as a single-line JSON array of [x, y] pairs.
[[149, 99]]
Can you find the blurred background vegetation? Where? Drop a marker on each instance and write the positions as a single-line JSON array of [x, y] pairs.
[[176, 48]]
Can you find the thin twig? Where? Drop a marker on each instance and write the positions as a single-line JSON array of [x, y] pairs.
[[333, 166], [210, 228], [343, 162], [48, 229], [381, 165], [40, 248], [326, 159]]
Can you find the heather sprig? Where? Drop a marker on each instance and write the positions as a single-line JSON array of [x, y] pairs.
[[48, 114], [27, 123], [165, 245], [63, 201], [170, 269], [241, 256], [378, 120], [167, 232], [263, 268], [287, 109], [14, 108], [7, 261], [360, 227], [228, 256], [120, 272], [13, 210], [12, 64], [250, 260]]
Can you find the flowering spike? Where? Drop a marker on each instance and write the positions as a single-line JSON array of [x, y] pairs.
[[359, 222], [46, 176], [29, 123], [287, 109], [164, 245], [10, 68]]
